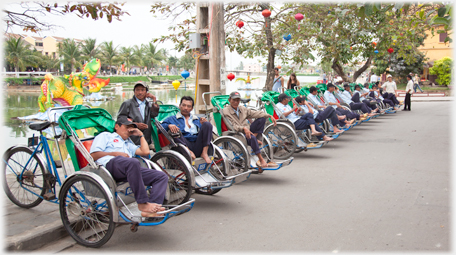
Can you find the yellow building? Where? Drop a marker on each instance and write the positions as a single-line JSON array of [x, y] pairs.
[[435, 49]]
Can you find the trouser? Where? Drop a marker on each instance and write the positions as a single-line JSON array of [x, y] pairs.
[[408, 101], [391, 97], [304, 123], [328, 113], [388, 101], [129, 169], [202, 140], [355, 98], [349, 114], [417, 86], [256, 127], [360, 106]]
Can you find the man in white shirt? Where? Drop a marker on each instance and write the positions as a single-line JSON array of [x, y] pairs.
[[408, 95], [374, 78], [304, 122], [389, 87]]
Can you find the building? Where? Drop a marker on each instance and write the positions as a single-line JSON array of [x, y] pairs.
[[435, 49], [252, 68]]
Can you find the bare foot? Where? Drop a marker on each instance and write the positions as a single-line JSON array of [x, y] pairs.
[[341, 117], [316, 133], [327, 139], [192, 154], [206, 158], [150, 208], [148, 214]]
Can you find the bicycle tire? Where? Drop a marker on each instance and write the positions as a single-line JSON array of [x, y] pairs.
[[235, 153], [283, 139], [179, 177], [86, 211], [13, 166]]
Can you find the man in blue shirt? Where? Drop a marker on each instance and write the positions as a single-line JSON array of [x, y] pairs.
[[304, 122], [196, 132], [115, 151], [331, 100], [347, 97], [360, 96]]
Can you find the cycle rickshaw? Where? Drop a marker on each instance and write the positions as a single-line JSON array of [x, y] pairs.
[[91, 203], [225, 131], [225, 169]]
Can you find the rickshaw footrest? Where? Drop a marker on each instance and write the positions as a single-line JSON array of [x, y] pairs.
[[49, 196]]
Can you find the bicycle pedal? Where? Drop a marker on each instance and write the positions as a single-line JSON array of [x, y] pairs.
[[49, 196]]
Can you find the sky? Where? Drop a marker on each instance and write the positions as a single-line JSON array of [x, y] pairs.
[[138, 28]]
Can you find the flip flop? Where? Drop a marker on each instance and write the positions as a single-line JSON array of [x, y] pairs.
[[260, 170], [272, 164]]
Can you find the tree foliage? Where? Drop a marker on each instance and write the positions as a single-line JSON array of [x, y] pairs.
[[442, 68], [29, 19], [19, 54]]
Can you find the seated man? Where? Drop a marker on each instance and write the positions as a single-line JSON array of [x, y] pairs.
[[390, 88], [376, 93], [319, 105], [360, 96], [115, 151], [327, 113], [347, 97], [304, 122], [238, 115], [196, 132], [330, 99]]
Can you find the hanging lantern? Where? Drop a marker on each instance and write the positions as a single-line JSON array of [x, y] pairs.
[[230, 76], [176, 84], [240, 24], [376, 51], [185, 74], [266, 13], [299, 16], [287, 37], [351, 48], [279, 67], [374, 44], [390, 50]]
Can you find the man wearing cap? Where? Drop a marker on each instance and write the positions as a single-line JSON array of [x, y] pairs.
[[115, 151], [304, 122], [360, 96], [347, 97], [331, 100], [238, 115], [140, 111], [389, 88], [196, 132]]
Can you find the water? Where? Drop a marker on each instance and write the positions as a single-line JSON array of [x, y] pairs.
[[19, 104]]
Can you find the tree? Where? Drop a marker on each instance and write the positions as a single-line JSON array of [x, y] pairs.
[[69, 49], [29, 18], [241, 66], [442, 68], [48, 63], [127, 55], [186, 61], [138, 52], [19, 54], [109, 54], [152, 55], [89, 49], [172, 61]]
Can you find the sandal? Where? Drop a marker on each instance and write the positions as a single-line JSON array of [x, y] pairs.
[[260, 170], [272, 164]]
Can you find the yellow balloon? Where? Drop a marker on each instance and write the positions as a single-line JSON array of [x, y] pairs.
[[176, 84]]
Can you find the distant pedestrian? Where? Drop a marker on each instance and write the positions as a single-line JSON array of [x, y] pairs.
[[408, 93], [416, 81], [324, 78]]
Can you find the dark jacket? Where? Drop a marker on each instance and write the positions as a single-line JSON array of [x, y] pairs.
[[179, 121], [130, 109]]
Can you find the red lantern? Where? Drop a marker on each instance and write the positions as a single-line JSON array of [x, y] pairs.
[[230, 76], [279, 67], [299, 16], [390, 50], [266, 13], [374, 44], [240, 24]]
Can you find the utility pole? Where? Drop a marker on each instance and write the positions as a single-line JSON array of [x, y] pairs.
[[211, 64]]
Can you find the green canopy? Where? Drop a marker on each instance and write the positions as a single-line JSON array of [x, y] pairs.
[[166, 110], [219, 102], [270, 96]]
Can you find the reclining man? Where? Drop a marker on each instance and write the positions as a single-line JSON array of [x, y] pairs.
[[116, 150], [347, 97], [304, 122], [238, 115], [327, 113], [330, 99], [360, 96], [377, 94], [196, 132]]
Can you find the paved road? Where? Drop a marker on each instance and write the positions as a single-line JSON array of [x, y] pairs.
[[383, 186]]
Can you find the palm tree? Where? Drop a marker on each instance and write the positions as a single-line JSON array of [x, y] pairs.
[[49, 63], [109, 53], [152, 55], [128, 56], [69, 49], [139, 57], [89, 49], [172, 61], [186, 61], [18, 54]]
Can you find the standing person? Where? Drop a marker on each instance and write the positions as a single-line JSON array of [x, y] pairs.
[[116, 152], [140, 111], [373, 78], [416, 81], [324, 77], [292, 81], [238, 115], [278, 81], [408, 93]]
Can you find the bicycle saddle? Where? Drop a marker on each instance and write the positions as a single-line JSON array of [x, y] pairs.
[[245, 101], [38, 126]]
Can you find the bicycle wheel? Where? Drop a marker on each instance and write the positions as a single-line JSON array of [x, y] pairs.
[[86, 211], [283, 139], [216, 169], [235, 153], [179, 178], [23, 180]]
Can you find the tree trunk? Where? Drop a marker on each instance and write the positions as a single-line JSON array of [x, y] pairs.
[[270, 65], [340, 71]]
